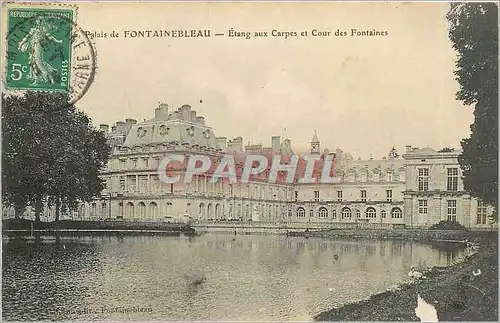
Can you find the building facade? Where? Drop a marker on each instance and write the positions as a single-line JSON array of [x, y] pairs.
[[418, 189]]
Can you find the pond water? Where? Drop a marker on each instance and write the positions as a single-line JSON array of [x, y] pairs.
[[210, 277]]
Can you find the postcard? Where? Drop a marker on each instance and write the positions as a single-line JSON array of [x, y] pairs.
[[249, 161]]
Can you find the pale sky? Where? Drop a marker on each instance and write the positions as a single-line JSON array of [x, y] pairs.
[[362, 94]]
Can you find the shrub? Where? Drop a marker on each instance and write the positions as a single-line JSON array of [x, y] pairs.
[[448, 225]]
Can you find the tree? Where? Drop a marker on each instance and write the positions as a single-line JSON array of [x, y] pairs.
[[51, 153], [474, 35]]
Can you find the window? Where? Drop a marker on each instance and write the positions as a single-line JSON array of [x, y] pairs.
[[363, 195], [323, 212], [311, 212], [296, 195], [422, 206], [93, 209], [383, 214], [423, 179], [388, 177], [134, 163], [452, 210], [122, 163], [316, 196], [481, 213], [402, 176], [452, 180], [363, 177], [334, 214], [358, 214], [346, 213], [388, 195], [289, 212], [122, 183], [301, 213], [146, 162], [371, 213], [396, 213], [339, 196], [376, 177]]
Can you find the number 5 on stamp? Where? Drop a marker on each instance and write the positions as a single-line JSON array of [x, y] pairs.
[[39, 49]]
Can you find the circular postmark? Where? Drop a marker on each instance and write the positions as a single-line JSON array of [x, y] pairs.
[[47, 51]]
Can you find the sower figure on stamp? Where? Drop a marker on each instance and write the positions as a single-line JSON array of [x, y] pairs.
[[40, 70]]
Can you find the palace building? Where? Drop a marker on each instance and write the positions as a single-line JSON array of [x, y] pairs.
[[417, 189]]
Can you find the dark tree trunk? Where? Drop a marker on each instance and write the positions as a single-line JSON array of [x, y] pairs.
[[19, 211], [38, 210], [58, 210]]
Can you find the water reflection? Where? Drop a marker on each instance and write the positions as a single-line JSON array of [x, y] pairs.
[[246, 277]]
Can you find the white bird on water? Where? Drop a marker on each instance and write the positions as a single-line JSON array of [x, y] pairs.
[[415, 274], [425, 311]]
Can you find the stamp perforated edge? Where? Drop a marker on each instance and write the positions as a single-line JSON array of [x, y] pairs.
[[6, 6]]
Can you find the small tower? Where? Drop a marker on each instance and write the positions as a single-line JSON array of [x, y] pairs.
[[393, 154], [315, 147]]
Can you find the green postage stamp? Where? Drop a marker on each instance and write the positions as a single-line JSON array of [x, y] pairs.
[[39, 49]]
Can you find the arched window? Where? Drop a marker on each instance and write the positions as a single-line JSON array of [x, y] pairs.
[[153, 211], [142, 210], [301, 213], [346, 213], [383, 213], [322, 212], [334, 214], [396, 213], [358, 214], [129, 211], [103, 209], [371, 213]]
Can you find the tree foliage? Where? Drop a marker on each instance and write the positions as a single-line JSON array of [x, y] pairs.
[[50, 153], [474, 35]]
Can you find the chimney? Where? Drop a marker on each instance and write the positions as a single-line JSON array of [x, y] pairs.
[[408, 149], [275, 142], [120, 127], [161, 112], [200, 120], [222, 142], [129, 123], [192, 118], [104, 128], [236, 144], [185, 112]]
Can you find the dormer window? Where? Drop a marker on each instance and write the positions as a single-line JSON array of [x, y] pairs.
[[164, 130], [141, 132]]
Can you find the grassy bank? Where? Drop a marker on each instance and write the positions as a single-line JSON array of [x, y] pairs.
[[456, 293], [26, 225]]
